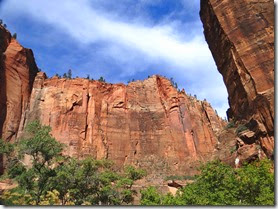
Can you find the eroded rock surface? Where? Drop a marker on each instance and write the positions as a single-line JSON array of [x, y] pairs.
[[240, 35], [145, 123], [17, 72]]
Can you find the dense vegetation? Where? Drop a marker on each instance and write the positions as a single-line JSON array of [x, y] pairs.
[[44, 176], [49, 178], [220, 184]]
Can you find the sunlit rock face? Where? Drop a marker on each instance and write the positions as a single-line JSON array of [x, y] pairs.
[[145, 123], [17, 73], [240, 35]]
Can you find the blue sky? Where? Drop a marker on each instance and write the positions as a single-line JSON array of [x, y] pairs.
[[119, 40]]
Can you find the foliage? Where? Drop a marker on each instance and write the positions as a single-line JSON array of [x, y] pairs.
[[6, 147], [134, 174], [150, 196], [220, 184], [57, 75], [14, 36], [49, 178], [42, 149], [69, 74], [241, 128], [256, 185], [231, 124], [101, 79], [174, 84]]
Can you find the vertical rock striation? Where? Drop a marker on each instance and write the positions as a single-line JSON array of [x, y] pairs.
[[17, 73], [146, 123], [240, 35]]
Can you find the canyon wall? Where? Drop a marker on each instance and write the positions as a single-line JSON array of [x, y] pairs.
[[17, 73], [145, 123], [240, 35]]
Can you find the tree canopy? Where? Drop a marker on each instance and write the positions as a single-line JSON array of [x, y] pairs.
[[220, 184], [46, 177]]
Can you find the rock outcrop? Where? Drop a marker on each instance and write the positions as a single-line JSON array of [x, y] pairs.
[[145, 123], [240, 35], [17, 73]]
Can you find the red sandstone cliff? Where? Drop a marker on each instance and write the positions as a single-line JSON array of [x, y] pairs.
[[146, 123], [17, 73], [240, 35]]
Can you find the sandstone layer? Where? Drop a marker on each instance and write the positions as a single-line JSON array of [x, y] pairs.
[[240, 35], [145, 123], [17, 73]]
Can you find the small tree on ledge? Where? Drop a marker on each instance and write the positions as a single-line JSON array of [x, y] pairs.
[[14, 36]]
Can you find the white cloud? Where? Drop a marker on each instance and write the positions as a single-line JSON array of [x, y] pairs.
[[84, 24], [131, 43]]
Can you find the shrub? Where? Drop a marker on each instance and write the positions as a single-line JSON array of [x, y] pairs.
[[220, 184], [101, 79], [51, 178], [241, 128], [14, 36], [231, 124]]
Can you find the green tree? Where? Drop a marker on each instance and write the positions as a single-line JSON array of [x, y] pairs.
[[69, 74], [150, 196], [256, 183], [220, 184], [94, 182], [14, 36], [33, 176], [51, 178], [57, 75], [65, 75], [216, 185], [101, 79]]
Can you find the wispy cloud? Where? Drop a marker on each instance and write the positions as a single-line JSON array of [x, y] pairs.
[[177, 48]]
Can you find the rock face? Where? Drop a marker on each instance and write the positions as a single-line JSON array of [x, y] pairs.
[[145, 123], [240, 35], [17, 72]]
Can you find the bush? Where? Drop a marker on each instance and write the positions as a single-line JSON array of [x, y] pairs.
[[150, 196], [51, 178], [231, 124], [101, 79], [14, 36], [241, 128], [220, 184]]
